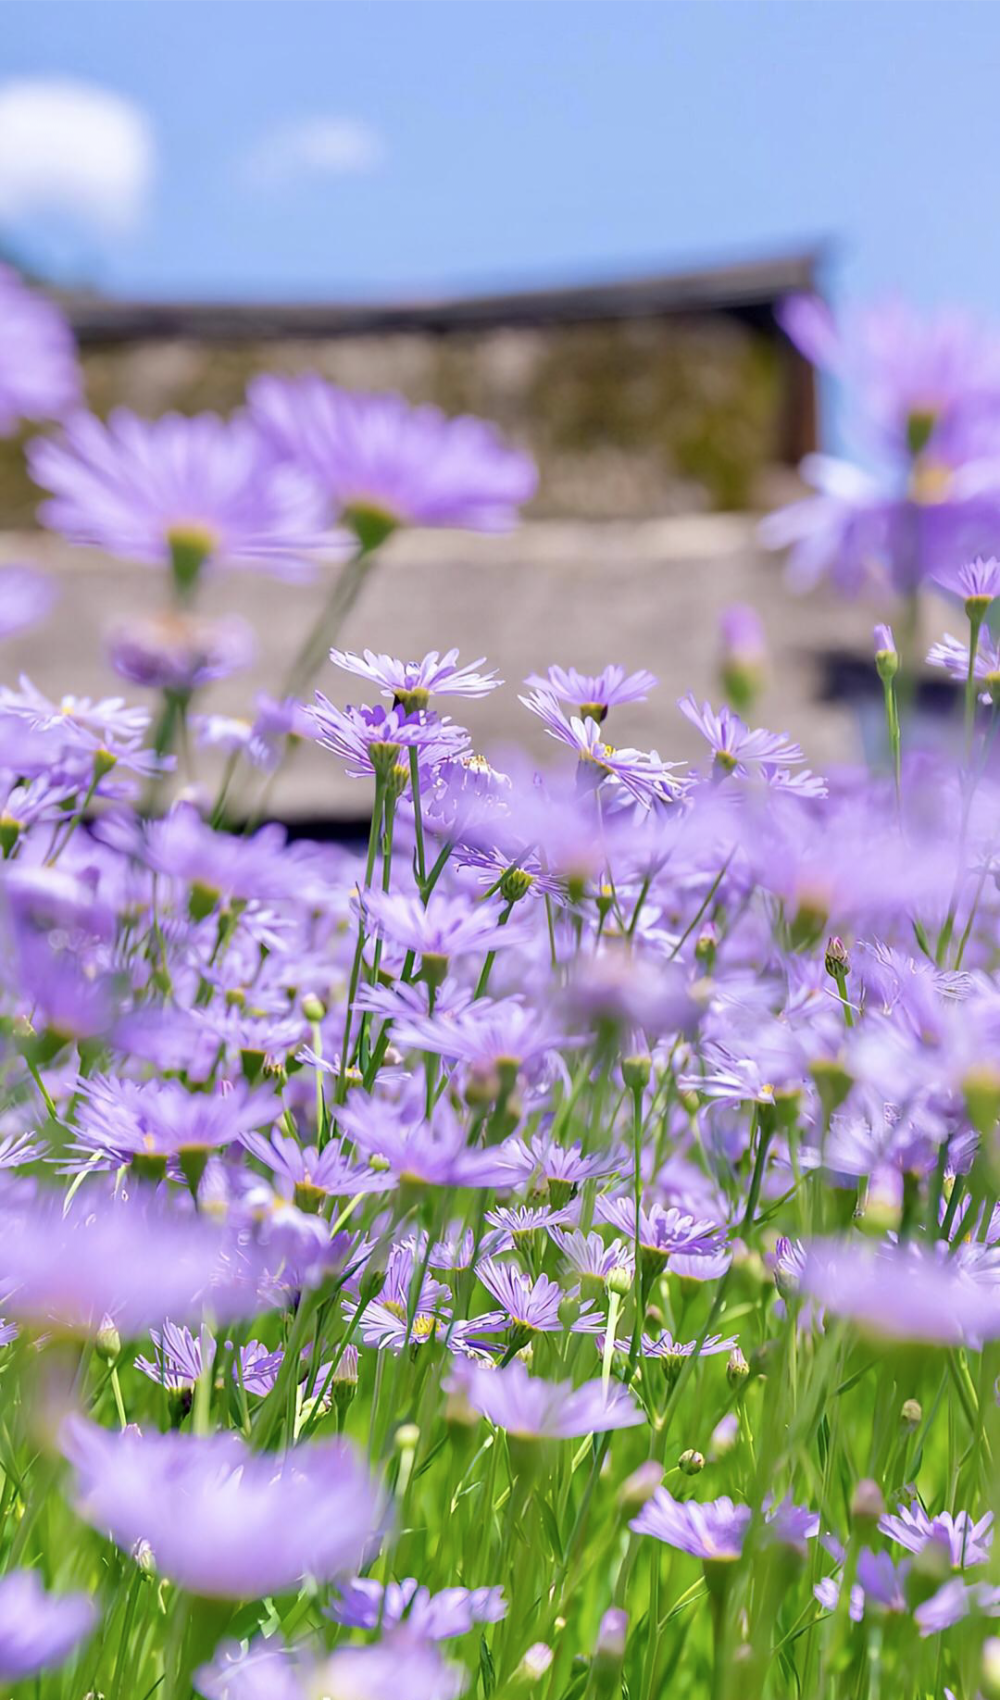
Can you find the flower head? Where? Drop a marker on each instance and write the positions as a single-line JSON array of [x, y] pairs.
[[591, 695], [223, 1521], [377, 458], [39, 375], [144, 490], [411, 684], [39, 1630], [533, 1409]]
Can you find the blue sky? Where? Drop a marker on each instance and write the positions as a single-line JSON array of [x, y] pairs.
[[279, 149]]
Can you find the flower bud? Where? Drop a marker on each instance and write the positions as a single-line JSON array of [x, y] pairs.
[[836, 960], [143, 1555], [640, 1486], [515, 884], [737, 1370], [990, 1678], [723, 1437], [10, 832], [886, 656], [313, 1009], [345, 1378], [692, 1463], [534, 1665], [609, 1653], [636, 1071], [867, 1503], [107, 1343], [619, 1281], [433, 968], [911, 1414], [705, 946]]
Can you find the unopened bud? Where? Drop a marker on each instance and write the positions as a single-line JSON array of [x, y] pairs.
[[108, 1344], [706, 945], [990, 1677], [619, 1281], [10, 832], [609, 1653], [836, 961], [313, 1009], [636, 1071], [737, 1369], [723, 1437], [640, 1486], [911, 1414], [692, 1463], [867, 1503], [886, 655], [515, 884], [534, 1665], [433, 968]]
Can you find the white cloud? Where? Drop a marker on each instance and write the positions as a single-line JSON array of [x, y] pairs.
[[315, 147], [70, 147]]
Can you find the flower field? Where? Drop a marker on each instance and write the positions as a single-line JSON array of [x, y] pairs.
[[554, 1251]]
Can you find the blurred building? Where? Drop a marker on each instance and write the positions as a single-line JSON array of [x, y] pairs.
[[664, 413]]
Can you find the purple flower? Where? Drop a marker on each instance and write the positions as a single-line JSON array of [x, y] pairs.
[[25, 595], [904, 1292], [265, 1670], [533, 1409], [142, 489], [491, 1037], [919, 382], [223, 1521], [672, 1352], [961, 1540], [883, 641], [365, 1604], [976, 581], [372, 740], [531, 1306], [375, 456], [172, 651], [39, 375], [737, 749], [78, 737], [311, 1175], [588, 1256], [591, 695], [401, 1663], [714, 1530], [662, 1230], [742, 634], [136, 1261], [879, 1582], [432, 1152], [641, 776], [952, 654], [179, 1357], [955, 1601], [121, 1119], [563, 1168], [867, 532], [443, 927], [214, 865], [39, 1630], [411, 684]]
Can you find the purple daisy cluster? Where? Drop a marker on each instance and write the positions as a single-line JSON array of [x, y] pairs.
[[557, 1245]]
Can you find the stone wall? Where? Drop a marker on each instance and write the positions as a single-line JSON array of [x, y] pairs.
[[633, 418]]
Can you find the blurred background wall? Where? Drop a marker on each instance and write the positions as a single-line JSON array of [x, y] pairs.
[[215, 191]]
